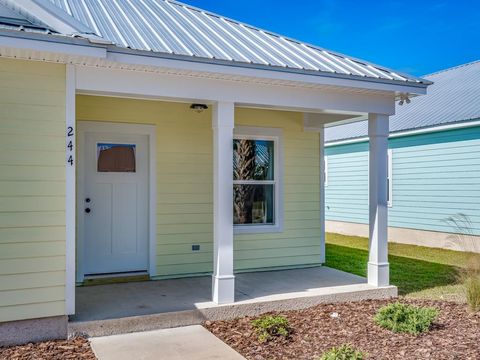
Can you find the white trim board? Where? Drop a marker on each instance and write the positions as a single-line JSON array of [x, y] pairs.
[[454, 126], [120, 128], [70, 183]]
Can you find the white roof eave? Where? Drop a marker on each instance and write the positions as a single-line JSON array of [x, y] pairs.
[[140, 58], [119, 54]]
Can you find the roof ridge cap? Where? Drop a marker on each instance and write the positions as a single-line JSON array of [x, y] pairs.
[[452, 68]]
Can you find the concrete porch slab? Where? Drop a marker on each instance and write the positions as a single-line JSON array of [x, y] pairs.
[[122, 308], [192, 343]]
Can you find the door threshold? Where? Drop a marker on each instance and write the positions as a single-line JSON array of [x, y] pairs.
[[115, 278]]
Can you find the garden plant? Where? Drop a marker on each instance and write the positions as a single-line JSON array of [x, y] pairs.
[[344, 352], [269, 327], [405, 318]]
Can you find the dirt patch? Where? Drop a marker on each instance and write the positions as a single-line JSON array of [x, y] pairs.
[[455, 335], [78, 348]]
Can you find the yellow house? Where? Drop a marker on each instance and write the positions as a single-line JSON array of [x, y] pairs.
[[161, 140]]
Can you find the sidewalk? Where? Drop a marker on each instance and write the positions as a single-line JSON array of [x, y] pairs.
[[191, 342]]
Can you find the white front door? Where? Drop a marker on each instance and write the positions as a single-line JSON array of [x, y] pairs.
[[115, 205]]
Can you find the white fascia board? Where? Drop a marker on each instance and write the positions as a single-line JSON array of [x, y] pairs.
[[61, 48], [249, 70], [51, 15], [205, 67], [135, 84], [432, 129]]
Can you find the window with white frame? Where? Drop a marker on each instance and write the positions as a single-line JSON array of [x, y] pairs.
[[389, 178], [256, 180]]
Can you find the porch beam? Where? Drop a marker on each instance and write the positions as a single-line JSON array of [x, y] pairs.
[[169, 87], [378, 267], [223, 284]]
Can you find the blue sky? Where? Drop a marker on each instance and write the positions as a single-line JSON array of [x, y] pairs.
[[418, 37]]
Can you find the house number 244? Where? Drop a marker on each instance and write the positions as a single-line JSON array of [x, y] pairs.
[[70, 134]]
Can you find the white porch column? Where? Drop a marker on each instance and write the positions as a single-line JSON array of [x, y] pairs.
[[322, 194], [70, 191], [378, 268], [223, 286]]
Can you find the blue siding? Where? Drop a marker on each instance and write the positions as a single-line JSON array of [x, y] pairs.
[[435, 176]]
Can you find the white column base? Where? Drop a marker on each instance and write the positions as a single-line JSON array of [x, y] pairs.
[[378, 274], [223, 289]]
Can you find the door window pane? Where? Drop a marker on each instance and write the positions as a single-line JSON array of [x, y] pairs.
[[116, 158], [253, 159], [253, 204]]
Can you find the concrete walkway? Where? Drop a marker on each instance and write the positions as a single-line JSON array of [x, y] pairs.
[[191, 342]]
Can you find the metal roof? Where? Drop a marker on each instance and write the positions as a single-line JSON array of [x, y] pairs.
[[453, 97], [170, 27], [10, 19]]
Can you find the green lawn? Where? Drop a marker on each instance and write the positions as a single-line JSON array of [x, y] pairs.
[[417, 271]]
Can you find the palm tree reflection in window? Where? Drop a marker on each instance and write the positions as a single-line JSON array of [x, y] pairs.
[[254, 183]]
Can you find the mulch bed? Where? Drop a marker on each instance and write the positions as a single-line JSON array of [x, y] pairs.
[[78, 348], [455, 335]]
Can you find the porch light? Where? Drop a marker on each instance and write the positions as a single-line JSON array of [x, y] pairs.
[[198, 107]]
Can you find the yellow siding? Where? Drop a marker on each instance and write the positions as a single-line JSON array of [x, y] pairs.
[[184, 185], [298, 244], [32, 190], [184, 168]]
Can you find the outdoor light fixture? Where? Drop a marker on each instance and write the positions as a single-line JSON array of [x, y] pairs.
[[199, 107], [404, 99]]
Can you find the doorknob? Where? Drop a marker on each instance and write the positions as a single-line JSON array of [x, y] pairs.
[[87, 210], [87, 200]]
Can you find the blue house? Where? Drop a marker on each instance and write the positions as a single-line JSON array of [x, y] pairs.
[[434, 167]]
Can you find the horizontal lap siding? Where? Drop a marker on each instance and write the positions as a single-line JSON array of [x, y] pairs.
[[32, 190], [184, 176], [346, 195], [184, 185], [435, 176], [298, 244]]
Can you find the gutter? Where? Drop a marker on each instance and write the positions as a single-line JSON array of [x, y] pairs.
[[279, 69], [106, 51], [39, 42]]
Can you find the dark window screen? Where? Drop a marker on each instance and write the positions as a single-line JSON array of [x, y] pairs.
[[115, 158]]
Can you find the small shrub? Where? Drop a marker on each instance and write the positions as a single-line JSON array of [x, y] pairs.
[[344, 352], [472, 290], [268, 327], [405, 318], [470, 278]]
